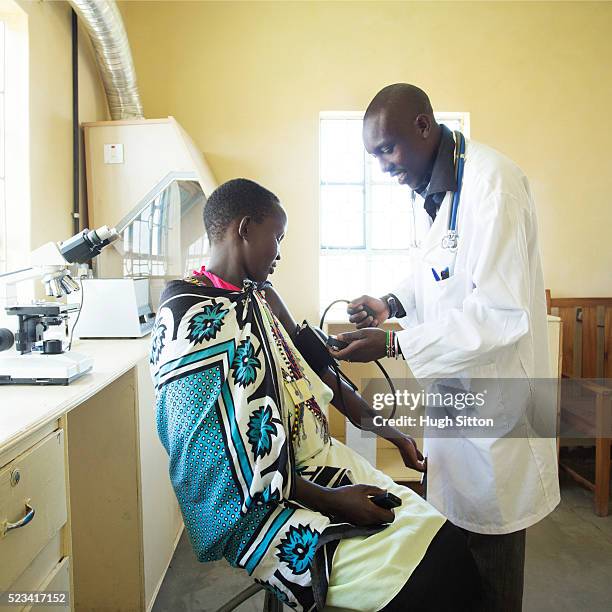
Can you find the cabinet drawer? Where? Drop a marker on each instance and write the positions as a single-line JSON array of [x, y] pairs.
[[58, 581], [36, 477], [36, 573], [39, 573], [55, 587]]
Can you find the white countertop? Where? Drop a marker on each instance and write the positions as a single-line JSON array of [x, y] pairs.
[[25, 408]]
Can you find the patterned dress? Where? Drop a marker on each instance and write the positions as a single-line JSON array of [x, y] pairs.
[[240, 414]]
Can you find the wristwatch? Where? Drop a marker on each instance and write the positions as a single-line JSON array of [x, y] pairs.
[[394, 306]]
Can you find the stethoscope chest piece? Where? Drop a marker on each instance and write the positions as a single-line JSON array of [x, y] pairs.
[[450, 241]]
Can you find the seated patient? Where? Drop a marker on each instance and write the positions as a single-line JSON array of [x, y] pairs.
[[258, 478]]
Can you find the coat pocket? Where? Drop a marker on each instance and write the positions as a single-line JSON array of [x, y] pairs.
[[449, 292]]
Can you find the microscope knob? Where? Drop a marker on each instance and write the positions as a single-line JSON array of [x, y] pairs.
[[52, 347], [7, 339]]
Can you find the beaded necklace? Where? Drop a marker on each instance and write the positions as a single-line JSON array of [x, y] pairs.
[[296, 383], [294, 378]]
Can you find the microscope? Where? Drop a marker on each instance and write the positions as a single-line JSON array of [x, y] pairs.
[[43, 361]]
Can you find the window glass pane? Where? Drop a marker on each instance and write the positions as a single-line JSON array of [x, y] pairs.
[[197, 255], [145, 239], [342, 276], [390, 217], [377, 175], [3, 230], [452, 124], [3, 247], [342, 222], [157, 213], [2, 55], [136, 236], [2, 135], [387, 271], [342, 152]]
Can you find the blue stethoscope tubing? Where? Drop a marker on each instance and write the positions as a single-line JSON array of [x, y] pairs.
[[450, 240]]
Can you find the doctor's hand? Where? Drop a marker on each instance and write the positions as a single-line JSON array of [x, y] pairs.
[[367, 311], [364, 345]]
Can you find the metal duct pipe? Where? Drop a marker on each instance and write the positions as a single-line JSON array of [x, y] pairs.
[[105, 27]]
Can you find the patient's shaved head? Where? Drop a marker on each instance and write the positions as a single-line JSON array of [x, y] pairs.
[[233, 200], [400, 130], [400, 98]]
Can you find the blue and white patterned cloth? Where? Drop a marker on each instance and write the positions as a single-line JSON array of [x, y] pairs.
[[221, 416]]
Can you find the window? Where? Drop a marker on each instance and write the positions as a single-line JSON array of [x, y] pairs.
[[14, 143], [145, 239], [163, 236], [365, 215], [3, 231]]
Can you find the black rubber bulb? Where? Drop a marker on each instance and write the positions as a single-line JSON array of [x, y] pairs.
[[7, 339]]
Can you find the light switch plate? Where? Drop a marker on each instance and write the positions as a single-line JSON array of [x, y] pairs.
[[113, 153]]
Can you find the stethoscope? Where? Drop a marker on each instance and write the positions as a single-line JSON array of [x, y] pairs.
[[451, 239]]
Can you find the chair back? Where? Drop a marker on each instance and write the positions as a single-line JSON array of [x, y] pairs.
[[587, 336]]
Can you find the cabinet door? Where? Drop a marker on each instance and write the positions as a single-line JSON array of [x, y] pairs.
[[161, 517]]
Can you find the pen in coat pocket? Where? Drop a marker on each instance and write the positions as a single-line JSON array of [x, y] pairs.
[[444, 274]]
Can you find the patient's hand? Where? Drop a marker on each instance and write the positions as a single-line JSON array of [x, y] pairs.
[[352, 504], [359, 315], [411, 455]]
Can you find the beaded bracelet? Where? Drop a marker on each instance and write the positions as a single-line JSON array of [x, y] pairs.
[[392, 348], [390, 343]]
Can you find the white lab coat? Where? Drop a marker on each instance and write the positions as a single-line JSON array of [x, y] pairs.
[[487, 320]]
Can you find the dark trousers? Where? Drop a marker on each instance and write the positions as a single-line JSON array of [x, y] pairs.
[[501, 563], [446, 579]]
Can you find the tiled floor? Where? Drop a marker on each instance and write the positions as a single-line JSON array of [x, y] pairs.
[[568, 567]]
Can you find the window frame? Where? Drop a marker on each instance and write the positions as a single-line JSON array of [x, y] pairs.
[[366, 251]]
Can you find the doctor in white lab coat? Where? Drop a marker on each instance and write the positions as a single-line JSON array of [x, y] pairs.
[[484, 318]]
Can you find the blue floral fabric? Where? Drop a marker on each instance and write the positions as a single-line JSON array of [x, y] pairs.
[[245, 365], [298, 548], [222, 418], [158, 338], [204, 325], [262, 429]]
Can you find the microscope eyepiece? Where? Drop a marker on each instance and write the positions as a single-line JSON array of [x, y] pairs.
[[87, 244]]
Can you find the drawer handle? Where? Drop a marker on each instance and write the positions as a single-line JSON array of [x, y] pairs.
[[22, 522]]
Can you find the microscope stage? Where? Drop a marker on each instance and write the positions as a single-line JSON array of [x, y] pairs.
[[40, 369]]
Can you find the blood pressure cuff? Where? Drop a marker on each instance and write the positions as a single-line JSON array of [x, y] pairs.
[[311, 343]]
